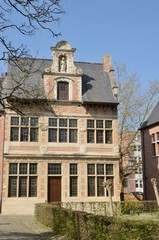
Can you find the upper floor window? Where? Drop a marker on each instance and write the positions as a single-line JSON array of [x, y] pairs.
[[62, 90], [99, 131], [24, 129], [62, 130]]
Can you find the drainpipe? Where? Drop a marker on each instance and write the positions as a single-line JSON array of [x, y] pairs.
[[2, 164]]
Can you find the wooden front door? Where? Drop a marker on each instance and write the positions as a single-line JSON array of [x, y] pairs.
[[54, 189]]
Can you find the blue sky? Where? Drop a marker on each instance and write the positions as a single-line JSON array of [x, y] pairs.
[[126, 29]]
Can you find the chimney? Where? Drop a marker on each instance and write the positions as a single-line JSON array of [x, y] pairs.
[[106, 60], [107, 67]]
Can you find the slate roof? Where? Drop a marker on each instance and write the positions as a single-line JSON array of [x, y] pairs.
[[152, 118], [96, 87]]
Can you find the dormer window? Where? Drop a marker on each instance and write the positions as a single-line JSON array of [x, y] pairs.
[[62, 91]]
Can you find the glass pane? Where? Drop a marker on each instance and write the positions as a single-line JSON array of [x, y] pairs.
[[52, 135], [13, 168], [100, 187], [90, 123], [33, 168], [73, 168], [90, 169], [23, 187], [34, 135], [73, 186], [99, 124], [100, 169], [109, 169], [62, 135], [14, 135], [108, 124], [12, 190], [99, 136], [14, 120], [24, 134], [62, 122], [112, 189], [90, 136], [24, 121], [32, 186], [54, 168], [108, 136], [73, 135], [73, 123], [53, 122], [91, 186], [23, 168], [34, 121]]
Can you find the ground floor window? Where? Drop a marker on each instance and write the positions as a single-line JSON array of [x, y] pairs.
[[97, 174], [73, 180], [22, 180]]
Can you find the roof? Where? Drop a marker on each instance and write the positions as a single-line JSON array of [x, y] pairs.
[[152, 118], [96, 86]]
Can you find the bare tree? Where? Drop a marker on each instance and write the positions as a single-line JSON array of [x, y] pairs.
[[23, 17], [135, 102]]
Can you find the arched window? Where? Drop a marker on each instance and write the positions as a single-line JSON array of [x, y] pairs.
[[62, 91]]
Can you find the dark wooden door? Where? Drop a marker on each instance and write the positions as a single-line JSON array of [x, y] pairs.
[[54, 189]]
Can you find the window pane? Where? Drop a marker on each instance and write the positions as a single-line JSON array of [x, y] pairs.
[[91, 186], [62, 135], [99, 124], [73, 135], [108, 136], [100, 187], [90, 136], [108, 124], [109, 169], [73, 186], [24, 134], [62, 122], [34, 121], [54, 168], [53, 122], [34, 135], [23, 187], [100, 169], [14, 135], [32, 186], [14, 120], [73, 123], [23, 168], [73, 168], [52, 135], [24, 121], [112, 189], [13, 168], [33, 168], [12, 190], [90, 123], [99, 136], [91, 169]]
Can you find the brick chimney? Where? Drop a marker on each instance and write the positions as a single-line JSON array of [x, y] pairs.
[[106, 60]]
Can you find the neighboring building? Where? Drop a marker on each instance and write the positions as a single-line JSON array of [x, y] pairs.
[[150, 151], [66, 144], [134, 182]]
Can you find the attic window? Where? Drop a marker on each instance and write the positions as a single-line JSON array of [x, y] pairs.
[[62, 91]]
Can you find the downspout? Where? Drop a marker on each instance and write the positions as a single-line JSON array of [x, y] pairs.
[[2, 166], [143, 165]]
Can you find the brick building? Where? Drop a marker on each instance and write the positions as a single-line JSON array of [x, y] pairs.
[[150, 151], [65, 145], [134, 182]]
